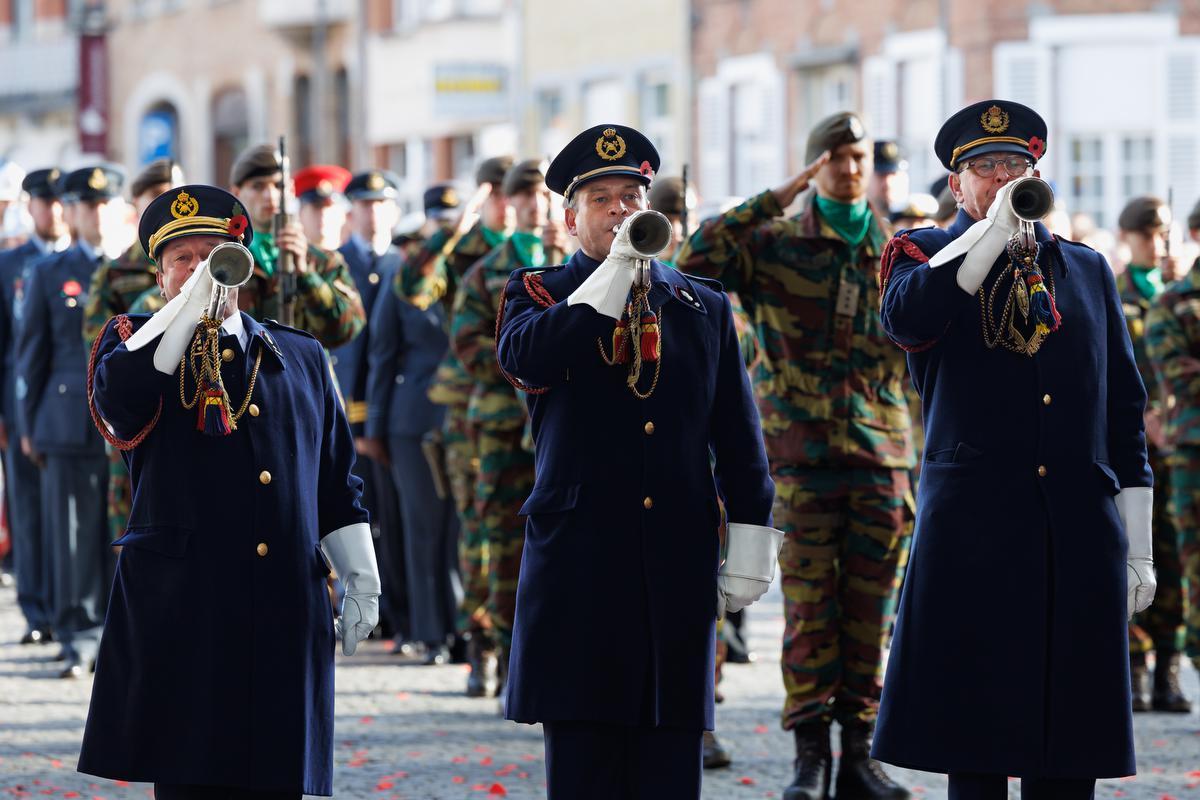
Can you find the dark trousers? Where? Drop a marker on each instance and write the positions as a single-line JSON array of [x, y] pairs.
[[174, 791], [602, 761], [381, 499], [31, 566], [995, 787], [430, 545], [75, 514]]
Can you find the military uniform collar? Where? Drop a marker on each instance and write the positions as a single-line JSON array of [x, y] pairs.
[[666, 283], [811, 226], [257, 331], [1040, 232]]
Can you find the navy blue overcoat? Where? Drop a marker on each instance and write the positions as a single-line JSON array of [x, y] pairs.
[[623, 518], [216, 665], [1010, 654]]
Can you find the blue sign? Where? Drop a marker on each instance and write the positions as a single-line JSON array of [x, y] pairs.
[[157, 136]]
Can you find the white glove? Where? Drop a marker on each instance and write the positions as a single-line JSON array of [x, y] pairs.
[[352, 555], [1136, 507], [176, 321], [983, 243], [607, 289], [751, 552]]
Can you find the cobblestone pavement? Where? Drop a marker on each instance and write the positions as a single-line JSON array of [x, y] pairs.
[[405, 732]]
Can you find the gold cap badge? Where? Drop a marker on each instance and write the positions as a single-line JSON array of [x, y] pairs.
[[375, 182], [610, 146], [98, 180], [449, 198], [184, 206], [994, 120]]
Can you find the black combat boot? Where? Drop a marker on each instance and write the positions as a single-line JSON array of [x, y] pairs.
[[478, 657], [813, 763], [1167, 695], [715, 754], [861, 777], [1139, 679]]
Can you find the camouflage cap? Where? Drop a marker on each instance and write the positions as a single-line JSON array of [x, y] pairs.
[[830, 133], [493, 170], [525, 175], [159, 171], [254, 162], [1146, 213]]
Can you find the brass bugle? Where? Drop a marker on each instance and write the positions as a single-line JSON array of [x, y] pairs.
[[230, 265]]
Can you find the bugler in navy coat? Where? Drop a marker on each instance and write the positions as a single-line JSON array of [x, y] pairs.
[[216, 666], [623, 519], [1010, 655]]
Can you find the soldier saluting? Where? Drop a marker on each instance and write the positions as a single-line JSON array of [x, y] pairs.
[[631, 388], [241, 462]]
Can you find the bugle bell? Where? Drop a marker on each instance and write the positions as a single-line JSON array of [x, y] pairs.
[[1030, 199], [230, 266]]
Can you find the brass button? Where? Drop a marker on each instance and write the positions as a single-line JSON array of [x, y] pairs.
[[649, 428], [264, 477], [261, 549], [373, 278], [648, 503], [253, 409], [1171, 401], [1046, 399], [227, 355], [1041, 472], [72, 302]]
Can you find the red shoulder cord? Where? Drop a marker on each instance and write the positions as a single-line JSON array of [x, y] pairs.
[[896, 246], [533, 285], [125, 330]]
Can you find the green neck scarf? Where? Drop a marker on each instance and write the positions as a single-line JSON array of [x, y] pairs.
[[265, 253], [851, 221], [493, 238], [1147, 280], [529, 248]]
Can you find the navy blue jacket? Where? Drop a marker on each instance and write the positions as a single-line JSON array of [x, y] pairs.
[[1011, 654], [370, 274], [623, 518], [406, 345], [52, 356], [12, 292], [230, 684]]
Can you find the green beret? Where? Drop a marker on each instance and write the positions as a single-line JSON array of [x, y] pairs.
[[254, 162], [666, 195], [159, 171], [525, 175], [493, 170], [830, 133], [1144, 214]]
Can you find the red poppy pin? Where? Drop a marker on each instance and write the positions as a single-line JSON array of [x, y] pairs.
[[647, 170], [1036, 147], [72, 289], [237, 225]]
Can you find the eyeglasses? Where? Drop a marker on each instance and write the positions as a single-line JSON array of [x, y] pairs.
[[986, 167]]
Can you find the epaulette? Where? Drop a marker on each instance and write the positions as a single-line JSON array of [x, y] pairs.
[[711, 283], [519, 271], [1061, 241], [275, 324]]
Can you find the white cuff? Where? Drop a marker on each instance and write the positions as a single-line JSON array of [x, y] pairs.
[[352, 553], [1136, 507], [606, 289], [751, 551]]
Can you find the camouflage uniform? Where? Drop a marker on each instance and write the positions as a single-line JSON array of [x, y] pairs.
[[115, 287], [835, 420], [497, 411], [327, 303], [1173, 343], [1160, 627], [430, 275]]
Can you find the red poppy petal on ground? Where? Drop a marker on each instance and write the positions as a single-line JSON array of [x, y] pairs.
[[529, 757], [485, 762], [70, 794], [746, 781], [458, 760], [458, 779], [522, 774], [54, 762], [414, 754], [383, 786], [367, 720], [761, 729], [498, 790], [402, 695], [1166, 797], [482, 748]]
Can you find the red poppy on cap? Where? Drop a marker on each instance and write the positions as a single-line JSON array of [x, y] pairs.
[[237, 225], [1036, 147]]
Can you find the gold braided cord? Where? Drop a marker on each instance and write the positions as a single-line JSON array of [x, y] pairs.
[[633, 335], [215, 225], [205, 349]]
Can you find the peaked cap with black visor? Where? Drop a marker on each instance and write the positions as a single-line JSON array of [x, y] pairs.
[[602, 151], [193, 210], [990, 126]]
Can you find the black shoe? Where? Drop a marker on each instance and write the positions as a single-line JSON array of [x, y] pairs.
[[36, 636], [1139, 679], [1167, 694], [435, 654], [715, 754], [478, 659], [861, 777], [813, 763], [75, 668], [458, 650]]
